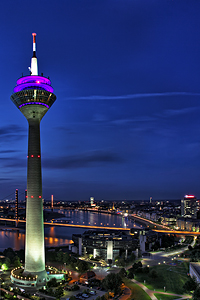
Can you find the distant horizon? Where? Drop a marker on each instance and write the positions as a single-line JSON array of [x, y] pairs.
[[104, 200]]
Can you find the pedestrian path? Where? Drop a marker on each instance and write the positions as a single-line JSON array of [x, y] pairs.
[[153, 297]]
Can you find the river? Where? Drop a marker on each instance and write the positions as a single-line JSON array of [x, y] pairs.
[[58, 235]]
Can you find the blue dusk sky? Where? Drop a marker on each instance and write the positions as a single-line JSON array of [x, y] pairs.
[[126, 74]]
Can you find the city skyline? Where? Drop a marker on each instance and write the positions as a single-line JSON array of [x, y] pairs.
[[126, 76]]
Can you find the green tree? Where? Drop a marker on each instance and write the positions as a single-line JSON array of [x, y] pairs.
[[75, 287], [59, 256], [10, 253], [52, 282], [16, 262], [190, 284], [82, 266], [131, 273], [66, 258], [59, 292], [112, 283], [7, 262], [122, 273], [196, 295], [121, 262]]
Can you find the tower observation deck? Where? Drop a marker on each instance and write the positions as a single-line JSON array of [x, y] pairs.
[[33, 95]]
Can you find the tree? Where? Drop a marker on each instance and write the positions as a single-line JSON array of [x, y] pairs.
[[112, 282], [52, 282], [75, 287], [122, 273], [59, 256], [190, 284], [7, 262], [131, 273], [58, 292], [16, 262], [139, 270], [82, 266], [10, 253], [66, 258], [121, 262], [196, 295]]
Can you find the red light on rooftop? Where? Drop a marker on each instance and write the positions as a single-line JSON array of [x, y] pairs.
[[189, 196]]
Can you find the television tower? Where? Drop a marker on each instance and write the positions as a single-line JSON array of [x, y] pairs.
[[33, 96]]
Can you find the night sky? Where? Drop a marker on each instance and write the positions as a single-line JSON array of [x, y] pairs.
[[126, 74]]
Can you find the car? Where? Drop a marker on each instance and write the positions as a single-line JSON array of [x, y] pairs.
[[92, 292], [85, 295]]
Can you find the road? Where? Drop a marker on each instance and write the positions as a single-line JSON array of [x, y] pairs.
[[164, 257]]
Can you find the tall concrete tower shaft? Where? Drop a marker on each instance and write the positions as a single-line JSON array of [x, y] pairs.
[[33, 96]]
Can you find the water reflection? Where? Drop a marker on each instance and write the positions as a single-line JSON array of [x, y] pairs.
[[16, 240], [59, 236]]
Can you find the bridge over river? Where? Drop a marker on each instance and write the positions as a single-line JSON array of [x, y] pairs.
[[167, 230]]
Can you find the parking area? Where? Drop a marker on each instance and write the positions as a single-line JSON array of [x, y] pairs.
[[83, 293]]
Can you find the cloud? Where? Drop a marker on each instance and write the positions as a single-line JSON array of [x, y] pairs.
[[182, 111], [10, 129], [89, 159], [134, 120], [136, 96], [12, 162], [8, 151]]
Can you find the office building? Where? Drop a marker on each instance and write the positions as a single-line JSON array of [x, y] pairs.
[[189, 207]]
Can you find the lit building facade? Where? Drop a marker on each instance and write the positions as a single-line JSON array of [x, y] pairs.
[[106, 244], [189, 207]]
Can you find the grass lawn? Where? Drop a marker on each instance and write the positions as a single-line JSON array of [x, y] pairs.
[[137, 291], [172, 277], [165, 297]]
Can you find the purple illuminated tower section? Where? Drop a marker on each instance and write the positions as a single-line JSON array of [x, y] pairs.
[[33, 96]]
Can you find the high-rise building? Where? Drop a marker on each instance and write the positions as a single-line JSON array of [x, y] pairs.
[[189, 206], [33, 96]]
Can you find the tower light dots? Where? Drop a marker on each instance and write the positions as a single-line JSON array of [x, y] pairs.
[[33, 95]]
